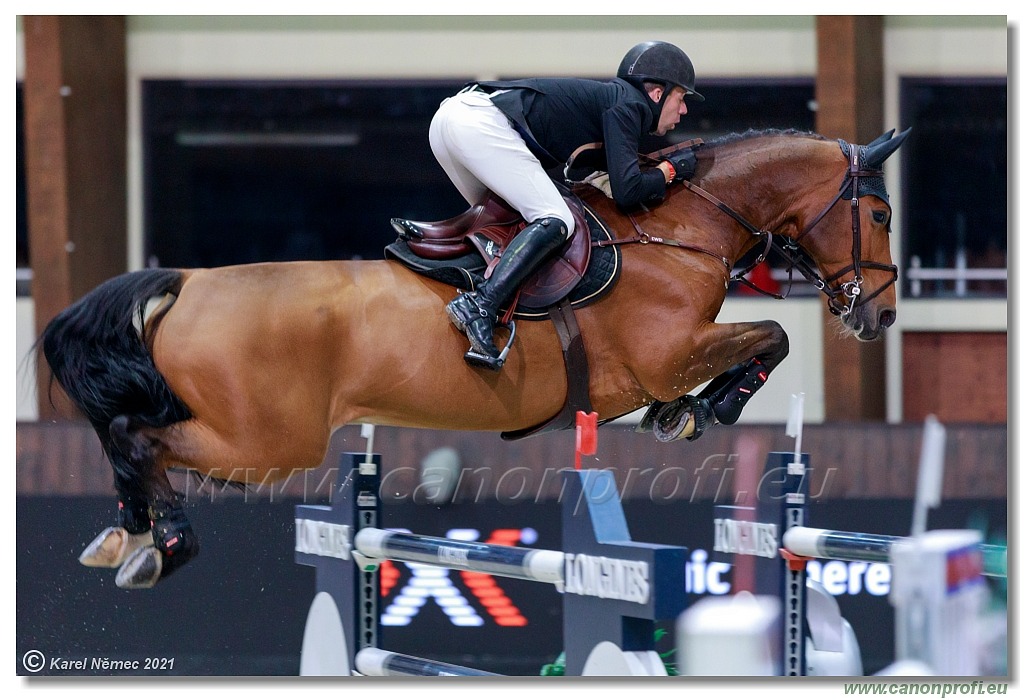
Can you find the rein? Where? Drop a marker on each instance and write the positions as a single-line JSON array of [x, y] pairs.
[[644, 238], [790, 250]]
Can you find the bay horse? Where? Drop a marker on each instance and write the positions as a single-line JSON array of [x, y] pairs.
[[243, 373]]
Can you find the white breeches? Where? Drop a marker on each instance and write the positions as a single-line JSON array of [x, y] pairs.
[[480, 151]]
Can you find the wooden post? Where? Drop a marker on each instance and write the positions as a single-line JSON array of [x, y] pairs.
[[76, 157], [850, 106]]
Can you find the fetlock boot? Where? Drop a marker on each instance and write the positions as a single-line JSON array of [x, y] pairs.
[[476, 313]]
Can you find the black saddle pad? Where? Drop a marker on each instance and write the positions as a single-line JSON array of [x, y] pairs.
[[466, 272]]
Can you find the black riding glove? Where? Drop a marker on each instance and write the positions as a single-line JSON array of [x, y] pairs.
[[684, 162]]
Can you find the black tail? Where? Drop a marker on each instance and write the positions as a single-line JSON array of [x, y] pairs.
[[96, 355]]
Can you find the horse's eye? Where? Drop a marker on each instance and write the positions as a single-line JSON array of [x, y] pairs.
[[880, 217]]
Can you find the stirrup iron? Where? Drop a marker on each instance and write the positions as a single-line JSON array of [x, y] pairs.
[[478, 359]]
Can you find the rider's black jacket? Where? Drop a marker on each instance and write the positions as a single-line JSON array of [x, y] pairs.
[[558, 115]]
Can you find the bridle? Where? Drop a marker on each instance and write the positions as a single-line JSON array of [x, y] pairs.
[[790, 248], [852, 289]]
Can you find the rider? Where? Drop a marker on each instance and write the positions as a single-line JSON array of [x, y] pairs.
[[500, 136]]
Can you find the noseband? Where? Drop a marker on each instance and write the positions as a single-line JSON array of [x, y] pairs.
[[790, 247]]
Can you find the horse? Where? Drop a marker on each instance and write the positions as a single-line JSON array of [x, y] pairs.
[[242, 373]]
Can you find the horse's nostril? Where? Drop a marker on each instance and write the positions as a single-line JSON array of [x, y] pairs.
[[887, 318]]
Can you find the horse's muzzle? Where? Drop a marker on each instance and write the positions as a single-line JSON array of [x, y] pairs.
[[868, 323]]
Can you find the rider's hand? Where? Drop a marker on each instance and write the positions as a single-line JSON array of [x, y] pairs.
[[684, 163]]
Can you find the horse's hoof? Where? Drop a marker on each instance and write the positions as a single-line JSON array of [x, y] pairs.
[[142, 570], [672, 421], [112, 547], [686, 417]]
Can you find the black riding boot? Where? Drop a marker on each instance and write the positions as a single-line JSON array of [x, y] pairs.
[[476, 313]]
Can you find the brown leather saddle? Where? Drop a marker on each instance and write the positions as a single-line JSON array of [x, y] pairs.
[[487, 228]]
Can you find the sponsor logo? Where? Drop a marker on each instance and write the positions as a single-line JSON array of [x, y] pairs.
[[323, 539], [604, 577], [743, 537]]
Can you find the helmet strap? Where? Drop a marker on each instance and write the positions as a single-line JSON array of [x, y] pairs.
[[656, 105]]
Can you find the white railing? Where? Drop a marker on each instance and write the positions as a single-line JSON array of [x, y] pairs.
[[960, 274], [23, 281]]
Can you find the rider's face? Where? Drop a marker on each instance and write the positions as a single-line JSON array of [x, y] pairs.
[[672, 109]]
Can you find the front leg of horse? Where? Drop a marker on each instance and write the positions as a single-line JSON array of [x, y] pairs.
[[750, 351]]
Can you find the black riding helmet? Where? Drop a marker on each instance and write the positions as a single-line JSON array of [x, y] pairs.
[[658, 62]]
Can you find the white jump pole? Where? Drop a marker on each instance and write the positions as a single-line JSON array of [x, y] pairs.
[[861, 546], [543, 565], [371, 661]]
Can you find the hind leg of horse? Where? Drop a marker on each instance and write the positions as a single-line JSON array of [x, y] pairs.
[[159, 537], [750, 351], [112, 547], [173, 542], [195, 445]]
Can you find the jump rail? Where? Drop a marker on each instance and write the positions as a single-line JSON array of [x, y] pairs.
[[371, 661], [861, 546], [542, 565]]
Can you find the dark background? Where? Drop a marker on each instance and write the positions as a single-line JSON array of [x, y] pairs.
[[244, 171]]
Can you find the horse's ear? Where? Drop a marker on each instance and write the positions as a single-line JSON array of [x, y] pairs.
[[882, 139], [876, 153]]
